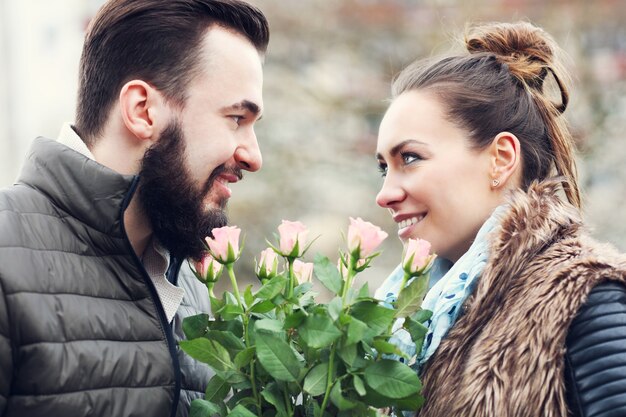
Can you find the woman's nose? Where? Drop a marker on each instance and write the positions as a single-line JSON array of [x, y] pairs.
[[390, 194]]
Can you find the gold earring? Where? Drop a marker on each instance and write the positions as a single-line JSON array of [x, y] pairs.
[[495, 183]]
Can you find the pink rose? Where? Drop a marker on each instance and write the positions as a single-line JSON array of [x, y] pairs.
[[303, 271], [364, 237], [225, 244], [268, 264], [293, 237], [417, 257], [208, 269]]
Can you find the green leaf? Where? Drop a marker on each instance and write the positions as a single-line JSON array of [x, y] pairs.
[[339, 400], [417, 331], [356, 331], [327, 273], [315, 381], [263, 307], [359, 386], [410, 403], [319, 331], [248, 298], [203, 408], [209, 352], [238, 380], [383, 346], [244, 357], [277, 357], [233, 326], [313, 409], [392, 379], [216, 389], [216, 306], [334, 308], [421, 316], [294, 320], [273, 395], [195, 326], [378, 318], [348, 354], [271, 326], [375, 399], [272, 288], [231, 312], [410, 298], [364, 292], [302, 289], [241, 411], [231, 342]]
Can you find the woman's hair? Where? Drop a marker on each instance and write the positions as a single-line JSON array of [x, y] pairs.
[[500, 86]]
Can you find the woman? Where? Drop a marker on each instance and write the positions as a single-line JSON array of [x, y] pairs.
[[531, 318]]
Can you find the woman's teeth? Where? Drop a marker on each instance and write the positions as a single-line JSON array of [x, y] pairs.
[[411, 221]]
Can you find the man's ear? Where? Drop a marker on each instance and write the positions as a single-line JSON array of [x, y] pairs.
[[141, 105], [505, 156]]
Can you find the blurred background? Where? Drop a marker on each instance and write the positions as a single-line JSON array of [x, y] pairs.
[[327, 77]]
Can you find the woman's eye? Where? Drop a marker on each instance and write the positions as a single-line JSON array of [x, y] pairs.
[[408, 158], [382, 168], [236, 118]]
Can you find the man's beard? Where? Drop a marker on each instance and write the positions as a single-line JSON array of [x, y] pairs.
[[173, 203]]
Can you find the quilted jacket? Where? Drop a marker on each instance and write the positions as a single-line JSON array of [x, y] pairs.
[[82, 329]]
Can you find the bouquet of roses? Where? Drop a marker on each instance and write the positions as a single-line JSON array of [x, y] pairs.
[[276, 352]]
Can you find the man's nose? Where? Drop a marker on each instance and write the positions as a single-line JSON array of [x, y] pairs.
[[248, 154]]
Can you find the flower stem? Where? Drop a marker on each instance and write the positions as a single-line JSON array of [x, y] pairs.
[[233, 281], [329, 377], [292, 278], [348, 282]]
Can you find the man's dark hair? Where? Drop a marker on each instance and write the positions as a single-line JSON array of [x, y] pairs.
[[157, 41]]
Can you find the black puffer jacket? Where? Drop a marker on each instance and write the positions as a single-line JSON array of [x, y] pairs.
[[82, 329]]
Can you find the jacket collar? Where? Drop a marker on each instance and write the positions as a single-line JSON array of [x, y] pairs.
[[79, 186]]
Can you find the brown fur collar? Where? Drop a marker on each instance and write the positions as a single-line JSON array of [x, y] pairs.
[[505, 355]]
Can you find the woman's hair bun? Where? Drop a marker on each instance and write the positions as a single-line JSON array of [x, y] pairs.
[[527, 49], [529, 52]]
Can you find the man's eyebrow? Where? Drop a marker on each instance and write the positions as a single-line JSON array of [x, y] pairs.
[[396, 149], [244, 105]]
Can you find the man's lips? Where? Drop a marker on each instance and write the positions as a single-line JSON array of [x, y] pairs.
[[221, 183]]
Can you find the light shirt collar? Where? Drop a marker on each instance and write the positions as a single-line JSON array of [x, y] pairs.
[[69, 137]]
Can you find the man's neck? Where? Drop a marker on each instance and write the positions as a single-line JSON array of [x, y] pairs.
[[137, 227]]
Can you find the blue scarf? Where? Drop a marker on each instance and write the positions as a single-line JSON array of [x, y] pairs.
[[450, 287]]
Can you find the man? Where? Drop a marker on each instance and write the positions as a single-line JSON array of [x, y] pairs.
[[93, 234]]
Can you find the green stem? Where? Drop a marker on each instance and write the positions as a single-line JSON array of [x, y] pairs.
[[292, 278], [329, 378], [405, 279], [233, 281], [351, 274], [257, 400], [287, 403]]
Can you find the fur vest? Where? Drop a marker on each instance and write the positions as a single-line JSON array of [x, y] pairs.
[[505, 355]]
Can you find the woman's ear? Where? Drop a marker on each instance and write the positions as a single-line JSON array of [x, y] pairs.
[[505, 154], [140, 107]]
